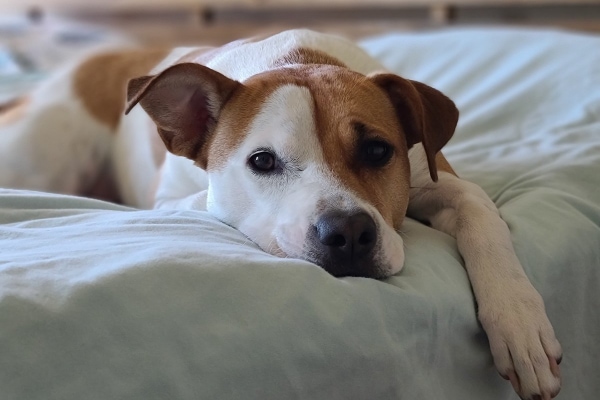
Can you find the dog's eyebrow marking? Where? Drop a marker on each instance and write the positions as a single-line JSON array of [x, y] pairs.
[[361, 130], [303, 55]]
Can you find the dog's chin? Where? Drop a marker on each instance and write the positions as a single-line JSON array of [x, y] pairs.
[[384, 263], [365, 269], [368, 269], [340, 271]]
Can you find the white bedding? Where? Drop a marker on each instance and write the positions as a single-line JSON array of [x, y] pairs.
[[99, 301]]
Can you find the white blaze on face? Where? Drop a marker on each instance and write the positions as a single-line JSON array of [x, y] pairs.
[[276, 210]]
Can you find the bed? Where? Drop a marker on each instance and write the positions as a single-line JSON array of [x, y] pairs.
[[101, 301]]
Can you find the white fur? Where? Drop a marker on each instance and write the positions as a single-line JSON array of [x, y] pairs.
[[133, 161], [59, 147]]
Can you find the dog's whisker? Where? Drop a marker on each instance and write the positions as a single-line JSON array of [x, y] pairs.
[[273, 247]]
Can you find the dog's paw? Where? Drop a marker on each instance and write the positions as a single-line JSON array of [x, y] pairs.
[[523, 344]]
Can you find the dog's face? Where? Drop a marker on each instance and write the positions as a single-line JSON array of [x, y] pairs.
[[309, 161], [318, 171]]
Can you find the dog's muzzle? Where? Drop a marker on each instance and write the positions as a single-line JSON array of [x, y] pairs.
[[345, 243]]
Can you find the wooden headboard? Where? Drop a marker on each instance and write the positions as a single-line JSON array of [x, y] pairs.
[[218, 21]]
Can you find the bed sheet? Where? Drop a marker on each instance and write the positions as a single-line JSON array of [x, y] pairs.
[[100, 301]]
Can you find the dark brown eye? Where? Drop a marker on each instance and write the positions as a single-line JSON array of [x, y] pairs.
[[262, 161], [376, 153]]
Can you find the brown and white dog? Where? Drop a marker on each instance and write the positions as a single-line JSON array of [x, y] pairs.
[[301, 142]]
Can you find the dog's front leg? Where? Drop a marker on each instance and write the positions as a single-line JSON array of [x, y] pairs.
[[511, 311]]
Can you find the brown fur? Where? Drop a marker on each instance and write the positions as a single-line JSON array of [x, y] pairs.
[[101, 81]]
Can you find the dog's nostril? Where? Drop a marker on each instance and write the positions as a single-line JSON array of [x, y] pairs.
[[334, 240], [366, 237], [347, 236]]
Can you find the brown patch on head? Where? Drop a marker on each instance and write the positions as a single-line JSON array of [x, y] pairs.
[[101, 81], [352, 112], [14, 110], [307, 56]]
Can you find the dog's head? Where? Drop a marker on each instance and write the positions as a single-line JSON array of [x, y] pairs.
[[308, 161]]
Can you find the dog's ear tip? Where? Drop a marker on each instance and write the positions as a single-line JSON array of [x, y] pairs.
[[130, 105], [136, 87], [433, 173]]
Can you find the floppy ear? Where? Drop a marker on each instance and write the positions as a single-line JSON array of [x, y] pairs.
[[426, 115], [184, 101]]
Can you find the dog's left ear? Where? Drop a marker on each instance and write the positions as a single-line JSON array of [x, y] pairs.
[[184, 101], [426, 114]]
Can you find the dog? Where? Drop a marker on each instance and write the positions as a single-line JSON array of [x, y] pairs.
[[299, 140]]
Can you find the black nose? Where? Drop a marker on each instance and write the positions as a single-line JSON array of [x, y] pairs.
[[348, 237]]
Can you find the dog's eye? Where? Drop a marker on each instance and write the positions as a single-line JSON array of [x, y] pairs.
[[262, 161], [376, 153]]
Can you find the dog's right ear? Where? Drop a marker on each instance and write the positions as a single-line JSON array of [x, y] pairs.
[[427, 115], [184, 101]]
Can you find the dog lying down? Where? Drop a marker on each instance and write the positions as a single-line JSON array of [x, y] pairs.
[[299, 140]]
